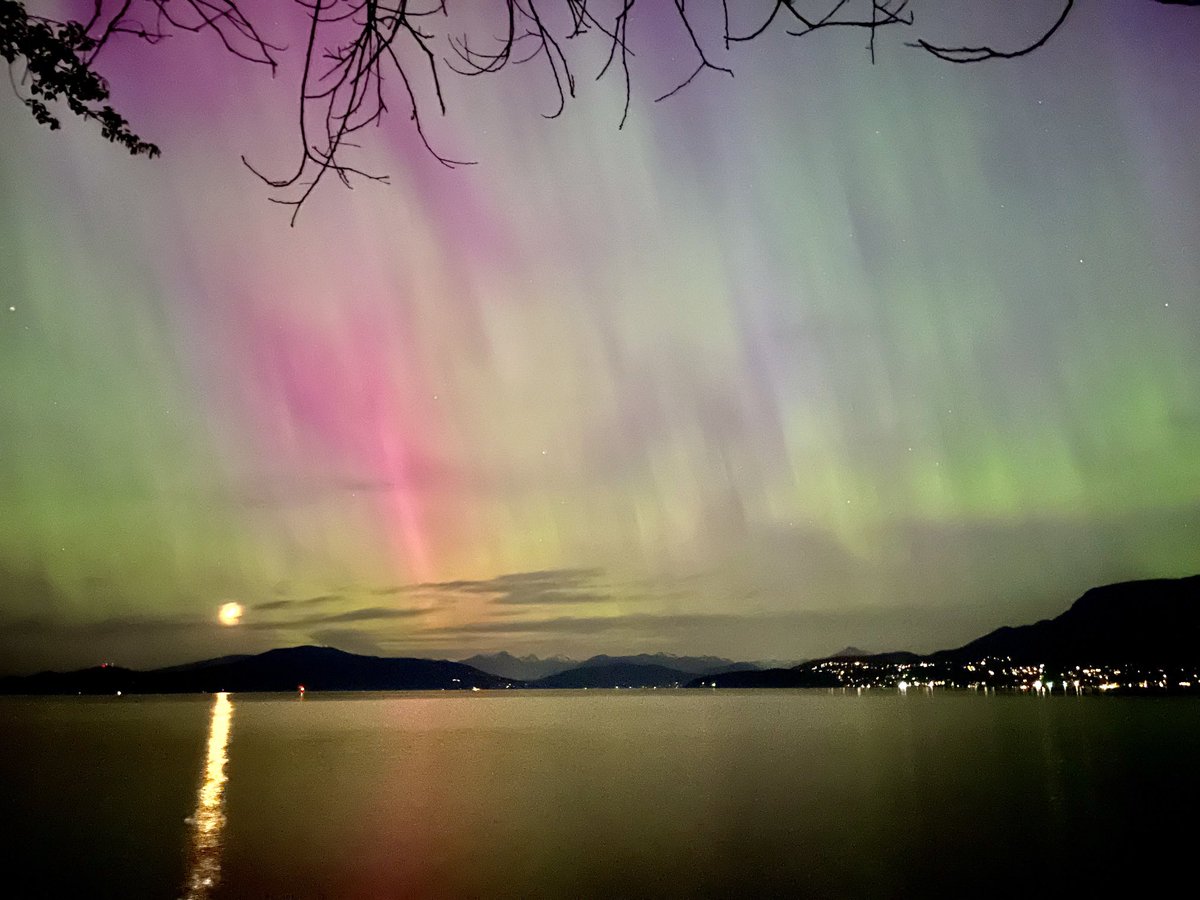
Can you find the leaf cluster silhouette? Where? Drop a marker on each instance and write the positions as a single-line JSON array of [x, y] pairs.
[[57, 58]]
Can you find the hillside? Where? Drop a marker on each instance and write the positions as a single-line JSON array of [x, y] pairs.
[[627, 675], [1152, 624], [519, 668], [1146, 622], [317, 668]]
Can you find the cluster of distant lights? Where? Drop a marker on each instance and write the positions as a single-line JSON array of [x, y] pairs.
[[1002, 673]]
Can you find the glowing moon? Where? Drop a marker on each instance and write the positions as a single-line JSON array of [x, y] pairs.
[[230, 613]]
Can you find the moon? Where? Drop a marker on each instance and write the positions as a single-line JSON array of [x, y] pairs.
[[230, 613]]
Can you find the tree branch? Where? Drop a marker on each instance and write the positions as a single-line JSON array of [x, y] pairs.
[[353, 47]]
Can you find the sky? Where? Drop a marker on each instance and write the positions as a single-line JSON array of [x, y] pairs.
[[825, 353]]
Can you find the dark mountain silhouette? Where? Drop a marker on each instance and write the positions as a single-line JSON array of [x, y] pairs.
[[852, 652], [95, 680], [694, 665], [533, 668], [317, 668], [1139, 623], [520, 668], [778, 663], [205, 663], [1149, 623], [626, 675], [1154, 622]]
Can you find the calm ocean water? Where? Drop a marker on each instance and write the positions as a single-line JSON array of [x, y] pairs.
[[606, 794]]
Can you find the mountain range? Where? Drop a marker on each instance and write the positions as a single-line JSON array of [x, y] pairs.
[[285, 669], [1147, 623], [533, 668], [519, 668], [619, 674], [1150, 623], [1154, 622]]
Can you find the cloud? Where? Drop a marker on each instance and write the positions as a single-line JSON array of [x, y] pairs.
[[522, 588], [577, 625], [35, 643], [150, 626], [348, 639], [294, 604], [367, 614], [552, 595], [666, 623], [749, 635], [39, 626]]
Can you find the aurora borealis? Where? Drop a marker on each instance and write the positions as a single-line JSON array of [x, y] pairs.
[[825, 353]]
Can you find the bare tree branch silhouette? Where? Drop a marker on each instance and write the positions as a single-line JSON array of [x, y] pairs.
[[355, 50]]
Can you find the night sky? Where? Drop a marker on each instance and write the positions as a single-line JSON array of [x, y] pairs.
[[825, 353]]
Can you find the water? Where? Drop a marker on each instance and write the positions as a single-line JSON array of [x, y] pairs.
[[606, 794]]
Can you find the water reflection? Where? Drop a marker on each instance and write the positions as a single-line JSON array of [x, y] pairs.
[[209, 818]]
